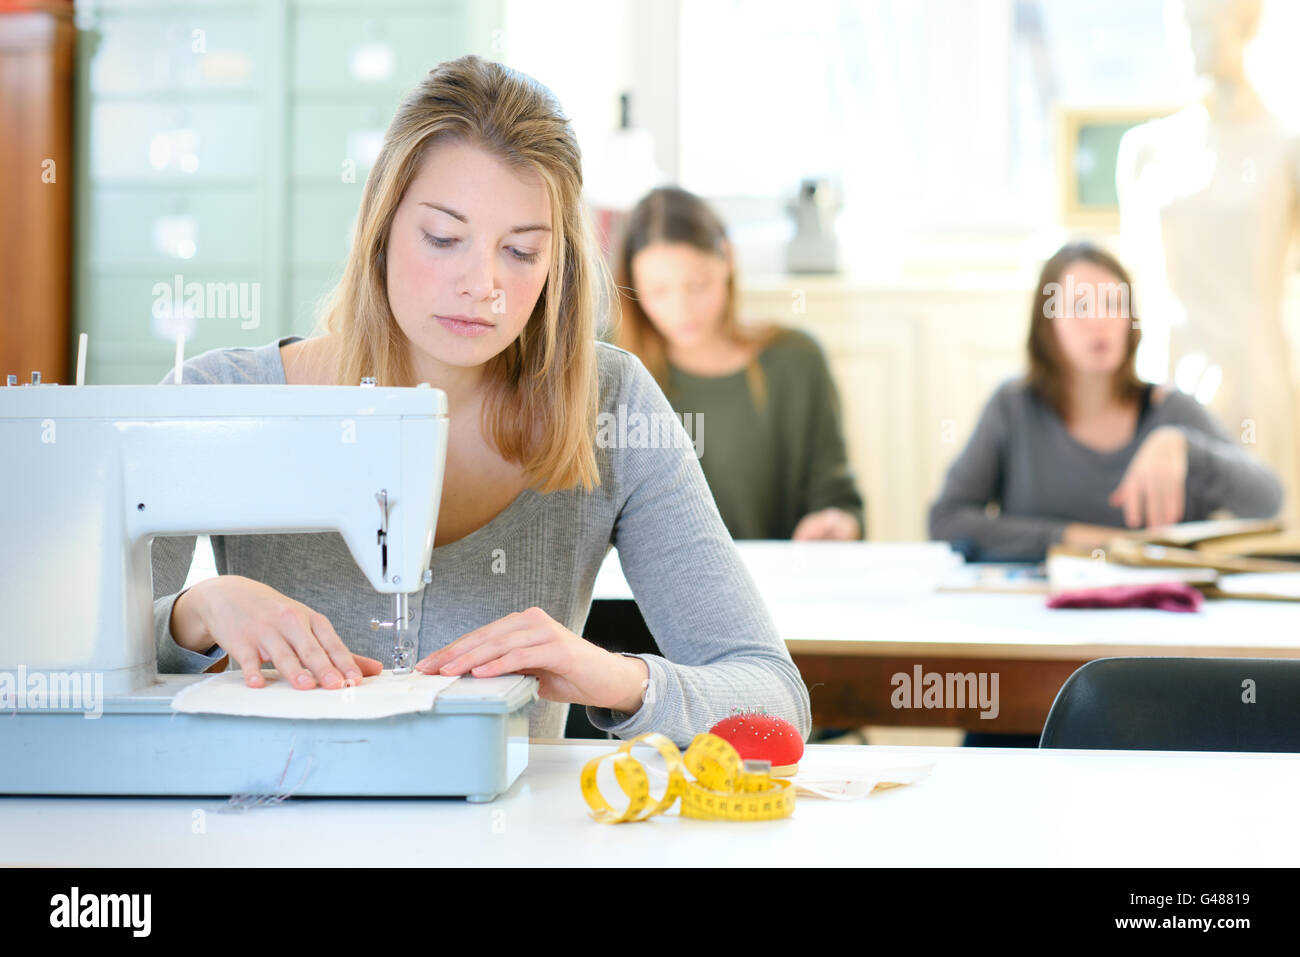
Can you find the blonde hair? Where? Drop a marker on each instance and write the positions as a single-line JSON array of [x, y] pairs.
[[541, 396], [673, 215]]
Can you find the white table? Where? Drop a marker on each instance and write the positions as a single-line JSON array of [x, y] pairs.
[[855, 613], [980, 807]]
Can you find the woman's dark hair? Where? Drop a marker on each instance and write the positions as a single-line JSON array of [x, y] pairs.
[[672, 215], [1047, 372]]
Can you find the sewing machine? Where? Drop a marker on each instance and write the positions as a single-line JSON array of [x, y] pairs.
[[92, 473]]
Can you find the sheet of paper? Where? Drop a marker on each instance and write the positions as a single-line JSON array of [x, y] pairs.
[[1187, 534], [1018, 578], [848, 784], [379, 696], [835, 783], [1067, 573], [1281, 584]]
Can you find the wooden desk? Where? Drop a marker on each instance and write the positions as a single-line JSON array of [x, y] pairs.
[[979, 807], [853, 615]]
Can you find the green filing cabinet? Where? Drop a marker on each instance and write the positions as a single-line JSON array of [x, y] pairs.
[[222, 149]]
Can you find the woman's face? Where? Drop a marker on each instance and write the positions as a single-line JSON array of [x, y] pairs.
[[468, 255], [682, 289], [1216, 36], [1093, 321]]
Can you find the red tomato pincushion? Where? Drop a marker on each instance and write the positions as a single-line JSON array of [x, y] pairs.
[[763, 737]]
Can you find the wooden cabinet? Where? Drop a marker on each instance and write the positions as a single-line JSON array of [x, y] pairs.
[[36, 182]]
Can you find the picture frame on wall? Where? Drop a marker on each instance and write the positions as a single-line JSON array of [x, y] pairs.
[[1086, 148]]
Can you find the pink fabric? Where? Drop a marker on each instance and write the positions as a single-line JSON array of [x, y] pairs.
[[1166, 596]]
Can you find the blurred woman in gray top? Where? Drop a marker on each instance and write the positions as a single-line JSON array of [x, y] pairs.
[[1081, 450]]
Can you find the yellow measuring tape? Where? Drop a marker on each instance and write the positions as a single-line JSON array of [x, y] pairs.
[[723, 789]]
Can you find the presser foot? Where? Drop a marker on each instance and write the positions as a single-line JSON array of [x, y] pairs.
[[404, 659]]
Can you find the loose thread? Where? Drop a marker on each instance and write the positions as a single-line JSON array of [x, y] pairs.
[[248, 801]]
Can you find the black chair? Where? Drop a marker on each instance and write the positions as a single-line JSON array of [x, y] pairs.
[[615, 625], [1178, 704]]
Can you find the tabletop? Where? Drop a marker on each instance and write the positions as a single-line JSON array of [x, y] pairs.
[[980, 807], [883, 600]]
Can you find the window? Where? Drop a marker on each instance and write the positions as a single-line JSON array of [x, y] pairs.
[[934, 113]]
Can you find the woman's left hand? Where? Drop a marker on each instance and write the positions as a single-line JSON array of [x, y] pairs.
[[1152, 491], [828, 524], [569, 668]]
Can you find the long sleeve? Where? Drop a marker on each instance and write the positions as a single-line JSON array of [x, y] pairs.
[[170, 558], [1221, 473], [830, 479], [974, 481], [721, 647]]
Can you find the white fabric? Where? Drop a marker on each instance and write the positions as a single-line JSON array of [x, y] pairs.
[[379, 696]]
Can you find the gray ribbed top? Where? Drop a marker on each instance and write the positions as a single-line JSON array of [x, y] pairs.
[[1022, 457], [721, 648]]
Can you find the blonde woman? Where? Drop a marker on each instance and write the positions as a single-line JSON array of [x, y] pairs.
[[473, 268]]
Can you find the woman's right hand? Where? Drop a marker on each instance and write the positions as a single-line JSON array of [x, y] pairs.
[[254, 623]]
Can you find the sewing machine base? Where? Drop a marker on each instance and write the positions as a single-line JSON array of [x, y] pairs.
[[473, 744]]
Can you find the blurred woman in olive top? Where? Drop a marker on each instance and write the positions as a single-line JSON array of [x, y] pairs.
[[762, 405], [1081, 450]]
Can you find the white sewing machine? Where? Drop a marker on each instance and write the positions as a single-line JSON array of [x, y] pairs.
[[91, 474]]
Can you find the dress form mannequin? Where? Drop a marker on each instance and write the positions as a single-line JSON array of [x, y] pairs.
[[1210, 204]]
